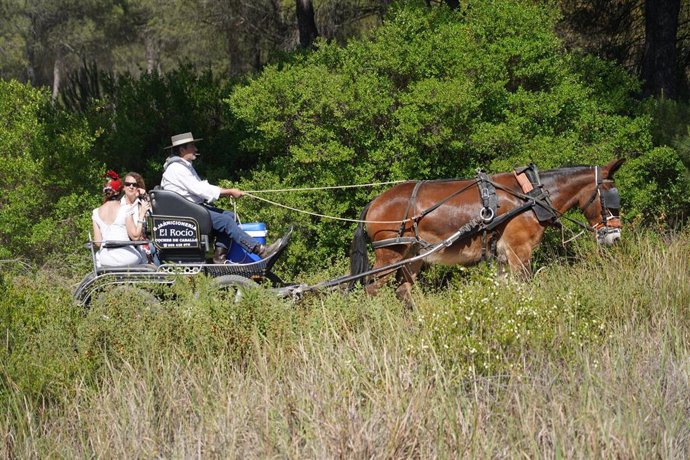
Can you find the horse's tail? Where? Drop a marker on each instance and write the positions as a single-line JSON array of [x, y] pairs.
[[359, 260]]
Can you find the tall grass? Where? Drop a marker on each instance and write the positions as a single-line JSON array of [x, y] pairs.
[[589, 359]]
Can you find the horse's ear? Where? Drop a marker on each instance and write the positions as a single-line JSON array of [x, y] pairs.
[[612, 167]]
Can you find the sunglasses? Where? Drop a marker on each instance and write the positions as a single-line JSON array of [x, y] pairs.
[[130, 184]]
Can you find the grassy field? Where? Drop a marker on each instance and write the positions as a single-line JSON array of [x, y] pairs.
[[589, 359]]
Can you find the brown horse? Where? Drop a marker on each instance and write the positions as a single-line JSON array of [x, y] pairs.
[[504, 215]]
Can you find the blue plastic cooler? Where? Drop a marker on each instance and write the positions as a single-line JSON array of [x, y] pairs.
[[238, 254]]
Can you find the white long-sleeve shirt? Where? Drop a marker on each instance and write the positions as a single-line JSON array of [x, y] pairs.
[[181, 177]]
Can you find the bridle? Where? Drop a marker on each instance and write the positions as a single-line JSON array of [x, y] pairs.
[[609, 228]]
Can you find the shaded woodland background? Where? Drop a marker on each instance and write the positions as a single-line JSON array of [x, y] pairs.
[[45, 42], [304, 93]]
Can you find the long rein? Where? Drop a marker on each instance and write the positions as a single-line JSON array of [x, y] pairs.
[[251, 194], [530, 203]]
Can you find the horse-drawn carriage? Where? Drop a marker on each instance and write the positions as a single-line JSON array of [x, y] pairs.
[[181, 234], [447, 221]]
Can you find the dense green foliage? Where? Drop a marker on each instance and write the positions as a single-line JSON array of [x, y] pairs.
[[47, 175], [438, 94], [431, 94]]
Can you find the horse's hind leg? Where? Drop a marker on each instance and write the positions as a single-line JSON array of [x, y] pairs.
[[406, 276], [385, 256]]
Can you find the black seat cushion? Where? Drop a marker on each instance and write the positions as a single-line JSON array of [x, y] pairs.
[[167, 203]]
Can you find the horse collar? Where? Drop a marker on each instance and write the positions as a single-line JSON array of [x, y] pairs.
[[529, 181]]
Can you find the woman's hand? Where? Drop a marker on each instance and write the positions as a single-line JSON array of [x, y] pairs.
[[144, 207]]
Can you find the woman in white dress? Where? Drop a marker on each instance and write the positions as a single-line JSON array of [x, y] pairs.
[[137, 203], [110, 223]]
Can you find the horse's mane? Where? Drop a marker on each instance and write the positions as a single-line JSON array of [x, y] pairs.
[[564, 171], [548, 173]]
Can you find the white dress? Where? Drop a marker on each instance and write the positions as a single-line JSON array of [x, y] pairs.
[[117, 231]]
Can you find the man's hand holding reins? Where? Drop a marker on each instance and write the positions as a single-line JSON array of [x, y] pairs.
[[232, 192]]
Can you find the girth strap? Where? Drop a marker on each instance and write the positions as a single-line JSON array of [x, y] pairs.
[[411, 205], [487, 193], [489, 199]]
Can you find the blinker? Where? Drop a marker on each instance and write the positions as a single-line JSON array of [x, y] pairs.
[[611, 199]]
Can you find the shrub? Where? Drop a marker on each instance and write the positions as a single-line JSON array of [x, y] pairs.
[[432, 94], [46, 161]]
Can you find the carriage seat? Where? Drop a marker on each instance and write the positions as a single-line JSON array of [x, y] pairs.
[[170, 206], [167, 203]]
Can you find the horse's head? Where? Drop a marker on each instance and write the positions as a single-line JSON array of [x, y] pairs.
[[602, 206]]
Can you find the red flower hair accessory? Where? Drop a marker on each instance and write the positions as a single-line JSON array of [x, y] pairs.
[[114, 184]]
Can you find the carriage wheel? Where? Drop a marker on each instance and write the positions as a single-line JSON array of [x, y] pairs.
[[128, 292], [234, 287]]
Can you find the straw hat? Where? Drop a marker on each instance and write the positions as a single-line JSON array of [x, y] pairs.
[[181, 139]]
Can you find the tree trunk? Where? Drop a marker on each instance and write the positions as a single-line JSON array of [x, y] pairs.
[[30, 66], [30, 52], [234, 53], [151, 50], [659, 66], [306, 23], [56, 78]]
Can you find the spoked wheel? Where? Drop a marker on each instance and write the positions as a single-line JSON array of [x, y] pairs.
[[234, 287], [125, 293]]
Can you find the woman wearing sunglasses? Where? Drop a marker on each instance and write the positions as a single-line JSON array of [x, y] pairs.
[[136, 199], [114, 222]]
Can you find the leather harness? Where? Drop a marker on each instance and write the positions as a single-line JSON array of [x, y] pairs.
[[488, 221]]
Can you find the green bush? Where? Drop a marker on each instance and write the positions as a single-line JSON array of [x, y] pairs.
[[22, 197], [433, 94], [38, 323], [135, 117], [657, 189], [47, 175]]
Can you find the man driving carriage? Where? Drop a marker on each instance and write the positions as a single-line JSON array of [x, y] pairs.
[[180, 176]]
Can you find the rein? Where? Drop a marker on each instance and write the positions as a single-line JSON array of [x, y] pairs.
[[329, 187], [417, 217], [488, 223], [559, 215], [325, 216]]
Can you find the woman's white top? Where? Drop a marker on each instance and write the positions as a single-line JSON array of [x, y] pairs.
[[117, 231]]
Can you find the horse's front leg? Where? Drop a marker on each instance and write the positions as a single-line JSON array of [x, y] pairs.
[[517, 255], [516, 245], [519, 260]]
